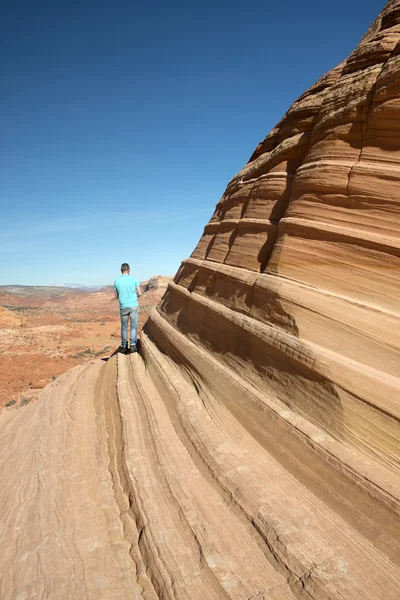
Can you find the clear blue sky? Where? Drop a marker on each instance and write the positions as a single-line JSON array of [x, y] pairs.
[[123, 121]]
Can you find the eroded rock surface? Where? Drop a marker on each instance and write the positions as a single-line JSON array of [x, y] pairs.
[[252, 450], [156, 282]]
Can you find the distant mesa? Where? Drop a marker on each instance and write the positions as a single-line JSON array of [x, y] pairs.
[[39, 291], [70, 285], [80, 286]]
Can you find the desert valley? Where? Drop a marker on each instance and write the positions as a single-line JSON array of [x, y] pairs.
[[44, 331]]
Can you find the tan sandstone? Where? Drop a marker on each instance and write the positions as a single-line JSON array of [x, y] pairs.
[[252, 450]]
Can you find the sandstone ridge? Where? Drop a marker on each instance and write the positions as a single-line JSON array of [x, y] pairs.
[[252, 450]]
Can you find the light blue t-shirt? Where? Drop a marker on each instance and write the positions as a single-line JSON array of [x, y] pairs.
[[126, 287]]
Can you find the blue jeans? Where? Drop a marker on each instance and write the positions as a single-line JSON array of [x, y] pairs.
[[133, 313]]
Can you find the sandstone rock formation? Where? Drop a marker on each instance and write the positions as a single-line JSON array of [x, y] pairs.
[[155, 283], [252, 450]]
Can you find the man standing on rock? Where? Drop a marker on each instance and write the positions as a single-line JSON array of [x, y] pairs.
[[127, 290]]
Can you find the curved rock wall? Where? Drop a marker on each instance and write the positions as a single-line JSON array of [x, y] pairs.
[[296, 280], [287, 312]]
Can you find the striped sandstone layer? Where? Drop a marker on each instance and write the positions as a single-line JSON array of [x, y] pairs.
[[252, 450]]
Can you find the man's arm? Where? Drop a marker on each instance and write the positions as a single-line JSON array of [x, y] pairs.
[[115, 295], [138, 291]]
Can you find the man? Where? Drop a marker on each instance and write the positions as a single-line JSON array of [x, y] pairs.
[[127, 290]]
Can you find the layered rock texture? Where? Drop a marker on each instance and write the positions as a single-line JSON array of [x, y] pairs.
[[252, 450]]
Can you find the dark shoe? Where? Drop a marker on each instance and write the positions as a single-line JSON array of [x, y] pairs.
[[123, 349], [132, 349]]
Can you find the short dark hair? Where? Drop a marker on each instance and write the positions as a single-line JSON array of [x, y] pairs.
[[125, 267]]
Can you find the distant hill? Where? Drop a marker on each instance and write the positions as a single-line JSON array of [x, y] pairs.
[[42, 290], [156, 282], [31, 296], [80, 286]]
